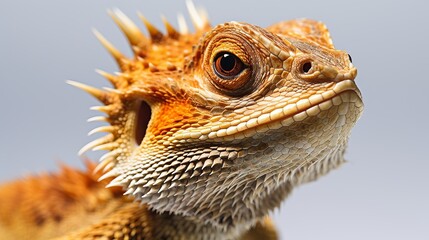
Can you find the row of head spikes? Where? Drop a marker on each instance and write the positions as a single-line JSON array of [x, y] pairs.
[[138, 41]]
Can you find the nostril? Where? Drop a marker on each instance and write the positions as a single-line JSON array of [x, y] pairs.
[[143, 117], [306, 67]]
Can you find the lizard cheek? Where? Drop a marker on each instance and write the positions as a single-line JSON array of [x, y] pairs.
[[144, 113]]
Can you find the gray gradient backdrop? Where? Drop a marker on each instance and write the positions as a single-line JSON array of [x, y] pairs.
[[381, 193]]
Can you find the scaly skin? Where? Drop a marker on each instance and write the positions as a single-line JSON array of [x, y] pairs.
[[209, 132]]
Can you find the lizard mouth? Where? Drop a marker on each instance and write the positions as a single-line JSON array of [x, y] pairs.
[[345, 91], [144, 114]]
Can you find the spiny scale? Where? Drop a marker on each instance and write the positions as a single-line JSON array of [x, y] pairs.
[[155, 34], [116, 54], [112, 79], [183, 27], [102, 129], [95, 92], [95, 143], [131, 31], [97, 119], [171, 31], [197, 19]]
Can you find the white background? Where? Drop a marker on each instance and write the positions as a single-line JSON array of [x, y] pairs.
[[382, 193]]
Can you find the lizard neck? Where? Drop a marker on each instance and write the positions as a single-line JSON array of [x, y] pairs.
[[170, 226], [191, 227]]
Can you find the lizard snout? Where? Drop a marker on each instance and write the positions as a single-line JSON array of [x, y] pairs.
[[314, 71], [331, 74]]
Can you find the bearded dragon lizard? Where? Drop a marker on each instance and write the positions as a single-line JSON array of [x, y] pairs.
[[208, 132]]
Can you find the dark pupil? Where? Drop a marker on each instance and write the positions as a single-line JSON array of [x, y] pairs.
[[227, 62], [350, 58], [306, 67]]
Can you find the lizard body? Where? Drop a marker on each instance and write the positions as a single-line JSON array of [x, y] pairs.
[[208, 132]]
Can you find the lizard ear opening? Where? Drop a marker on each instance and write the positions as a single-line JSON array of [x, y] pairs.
[[144, 113]]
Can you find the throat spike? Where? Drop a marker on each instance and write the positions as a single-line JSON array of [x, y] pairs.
[[102, 129], [97, 119], [102, 167], [115, 182], [110, 155], [107, 146], [97, 93], [95, 143]]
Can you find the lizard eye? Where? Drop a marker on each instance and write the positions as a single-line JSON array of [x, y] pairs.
[[230, 73], [306, 67], [227, 65]]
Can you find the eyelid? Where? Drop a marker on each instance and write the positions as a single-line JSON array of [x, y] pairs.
[[236, 85], [233, 48]]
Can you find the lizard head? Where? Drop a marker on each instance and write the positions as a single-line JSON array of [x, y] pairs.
[[219, 125]]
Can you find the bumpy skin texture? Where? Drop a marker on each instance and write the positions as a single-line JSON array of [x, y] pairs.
[[208, 132]]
